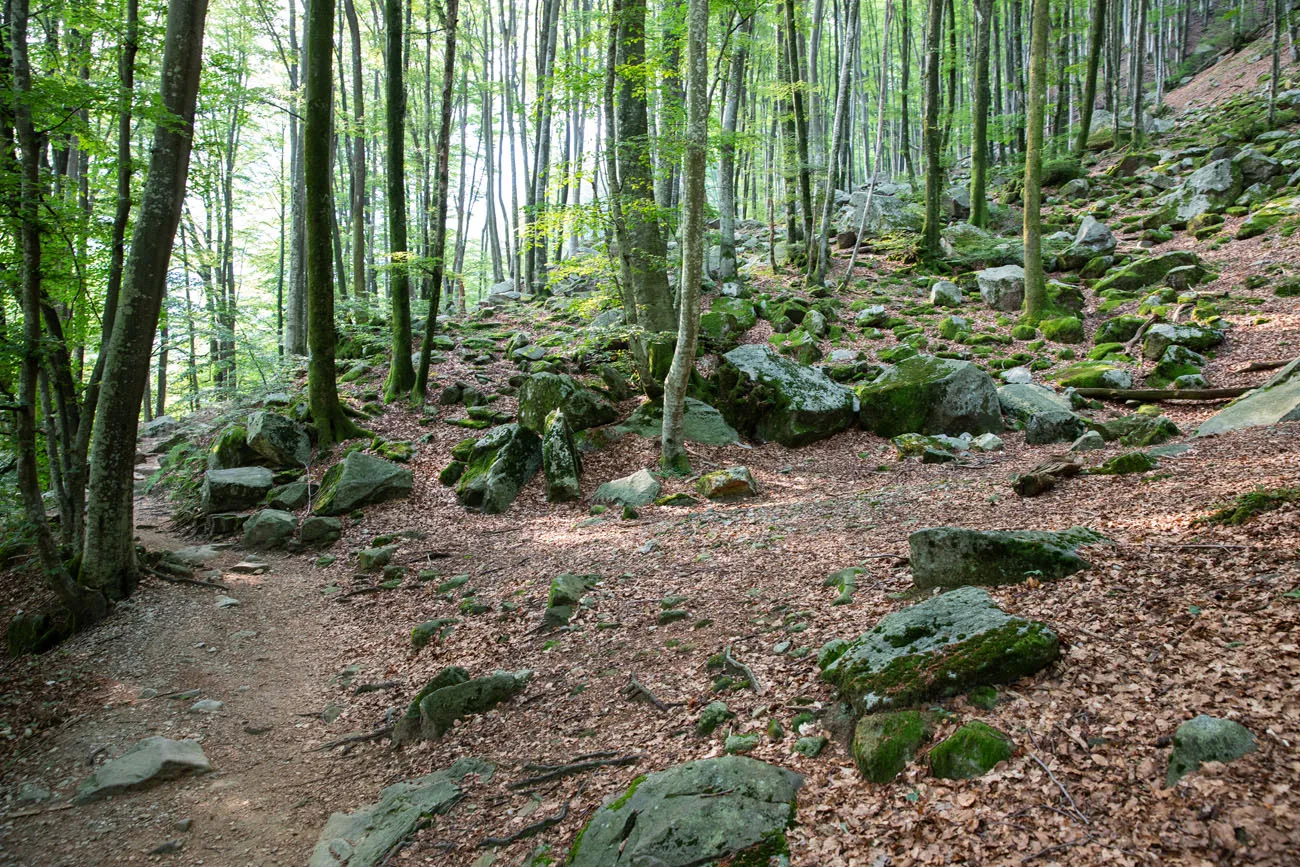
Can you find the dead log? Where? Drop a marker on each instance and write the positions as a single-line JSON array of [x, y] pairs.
[[1160, 394]]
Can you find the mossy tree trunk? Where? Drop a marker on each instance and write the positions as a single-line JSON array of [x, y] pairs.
[[1096, 36], [1035, 280], [979, 154], [673, 455], [108, 561], [1138, 47], [933, 170], [401, 373], [819, 257], [727, 154]]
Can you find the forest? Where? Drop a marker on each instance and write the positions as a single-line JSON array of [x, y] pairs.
[[633, 432]]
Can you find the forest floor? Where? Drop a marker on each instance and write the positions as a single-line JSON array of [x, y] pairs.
[[1173, 618]]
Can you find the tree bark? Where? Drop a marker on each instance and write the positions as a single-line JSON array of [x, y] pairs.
[[727, 154], [819, 257], [933, 171], [1035, 280], [358, 203], [108, 562], [401, 373], [1096, 36], [979, 151]]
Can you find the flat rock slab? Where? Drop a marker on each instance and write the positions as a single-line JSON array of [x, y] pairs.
[[150, 761], [955, 557], [365, 837], [1274, 402], [939, 648], [701, 423], [639, 489], [696, 813]]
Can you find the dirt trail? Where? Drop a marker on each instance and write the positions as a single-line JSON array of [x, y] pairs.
[[262, 659]]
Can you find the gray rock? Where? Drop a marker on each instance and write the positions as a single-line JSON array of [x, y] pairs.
[[955, 557], [502, 461], [1207, 739], [1020, 402], [1093, 239], [542, 393], [162, 426], [269, 528], [945, 293], [1056, 426], [360, 480], [453, 695], [561, 463], [701, 423], [1002, 288], [931, 395], [987, 442], [1159, 338], [732, 483], [278, 440], [207, 705], [234, 489], [150, 761], [318, 531], [639, 489], [774, 399], [703, 812], [887, 214], [1255, 167], [1017, 376], [936, 649], [870, 317], [366, 837], [32, 792], [288, 498], [1212, 187], [1075, 189], [607, 319], [1274, 402], [1089, 442]]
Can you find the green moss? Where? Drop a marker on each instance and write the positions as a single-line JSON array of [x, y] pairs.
[[773, 845], [1125, 464], [1066, 329], [1253, 503], [621, 799], [972, 751], [884, 743]]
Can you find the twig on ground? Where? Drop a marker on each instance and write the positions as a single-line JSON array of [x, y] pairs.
[[736, 667], [179, 579], [527, 830], [575, 768], [1074, 808], [364, 688], [40, 811], [375, 735], [635, 689], [1059, 847]]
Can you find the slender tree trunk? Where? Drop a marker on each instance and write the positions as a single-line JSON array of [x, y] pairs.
[[1096, 36], [933, 171], [673, 454], [1138, 46], [904, 92], [401, 373], [1035, 281], [979, 152], [358, 204], [108, 563], [1277, 62], [295, 324], [819, 257], [727, 154], [442, 173]]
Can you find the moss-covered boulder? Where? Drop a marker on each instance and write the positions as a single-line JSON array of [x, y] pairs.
[[1207, 739], [561, 462], [1211, 188], [278, 440], [269, 528], [726, 320], [1093, 239], [370, 834], [971, 751], [715, 713], [1268, 216], [1274, 402], [733, 483], [1094, 374], [1145, 271], [564, 596], [954, 557], [502, 461], [1126, 464], [453, 695], [234, 489], [361, 480], [1137, 429], [937, 649], [701, 423], [1022, 401], [542, 393], [1066, 329], [639, 489], [230, 449], [1160, 337], [773, 399], [883, 743], [1119, 329], [1056, 426], [925, 394], [733, 810], [1177, 361]]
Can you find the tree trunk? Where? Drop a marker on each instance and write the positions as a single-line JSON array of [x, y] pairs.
[[673, 455], [727, 154], [442, 172], [819, 256], [358, 204], [108, 563], [1138, 47], [401, 373], [933, 171], [1035, 281], [1096, 36], [979, 151], [295, 313]]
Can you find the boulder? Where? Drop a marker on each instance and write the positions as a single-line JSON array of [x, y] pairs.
[[441, 708], [1268, 216], [278, 440], [727, 319], [955, 557], [160, 427], [971, 751], [1255, 167], [290, 497], [320, 532], [368, 836], [931, 395], [269, 528], [1119, 329], [701, 423], [234, 489], [1160, 337], [1212, 187], [561, 463], [1094, 374], [1002, 288], [541, 393], [1145, 271], [1075, 189], [1020, 402], [564, 596], [360, 480], [774, 399], [883, 743], [888, 214], [230, 449], [1274, 402], [937, 649], [732, 809], [639, 489], [1093, 239], [1207, 739], [945, 293], [502, 461], [1056, 426], [733, 483], [150, 761]]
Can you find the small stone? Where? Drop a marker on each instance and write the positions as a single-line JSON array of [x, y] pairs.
[[206, 705], [1090, 441], [227, 602], [713, 715], [1207, 739], [810, 746], [739, 744]]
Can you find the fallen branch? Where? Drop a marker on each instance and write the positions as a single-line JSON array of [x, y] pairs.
[[735, 667], [1059, 847], [1074, 808], [1159, 394], [527, 830], [178, 579], [635, 689], [382, 685], [1263, 365], [575, 768], [375, 735], [39, 811]]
